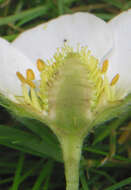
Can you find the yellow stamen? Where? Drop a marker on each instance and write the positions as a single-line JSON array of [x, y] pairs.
[[115, 79], [26, 94], [35, 100], [105, 66], [30, 74], [30, 83], [21, 77], [40, 65]]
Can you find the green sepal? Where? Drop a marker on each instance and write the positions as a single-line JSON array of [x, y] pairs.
[[21, 110], [14, 108], [113, 111]]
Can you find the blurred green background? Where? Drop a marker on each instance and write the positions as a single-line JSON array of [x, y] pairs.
[[31, 159]]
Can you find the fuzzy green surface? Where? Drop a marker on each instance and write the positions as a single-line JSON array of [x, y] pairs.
[[69, 96]]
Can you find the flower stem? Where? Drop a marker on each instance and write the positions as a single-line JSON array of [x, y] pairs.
[[71, 147]]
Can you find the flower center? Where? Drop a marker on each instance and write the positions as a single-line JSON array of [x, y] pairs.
[[101, 90]]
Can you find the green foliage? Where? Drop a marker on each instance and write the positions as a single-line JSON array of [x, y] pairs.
[[17, 16]]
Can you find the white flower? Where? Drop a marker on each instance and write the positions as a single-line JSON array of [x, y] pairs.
[[120, 59], [105, 40], [73, 94]]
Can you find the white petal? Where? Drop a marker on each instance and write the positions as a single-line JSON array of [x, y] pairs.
[[83, 28], [120, 60], [11, 61]]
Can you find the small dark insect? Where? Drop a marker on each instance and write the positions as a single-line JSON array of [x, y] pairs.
[[65, 40]]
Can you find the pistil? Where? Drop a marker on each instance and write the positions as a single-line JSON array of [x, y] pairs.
[[100, 88]]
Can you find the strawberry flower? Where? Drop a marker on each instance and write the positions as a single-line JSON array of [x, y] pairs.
[[71, 73]]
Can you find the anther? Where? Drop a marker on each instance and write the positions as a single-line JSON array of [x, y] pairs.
[[115, 79], [105, 66], [40, 65], [30, 83], [21, 77], [30, 74]]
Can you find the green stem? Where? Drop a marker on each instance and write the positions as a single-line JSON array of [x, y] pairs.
[[71, 147]]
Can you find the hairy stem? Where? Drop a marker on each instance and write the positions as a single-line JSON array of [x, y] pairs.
[[71, 147]]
